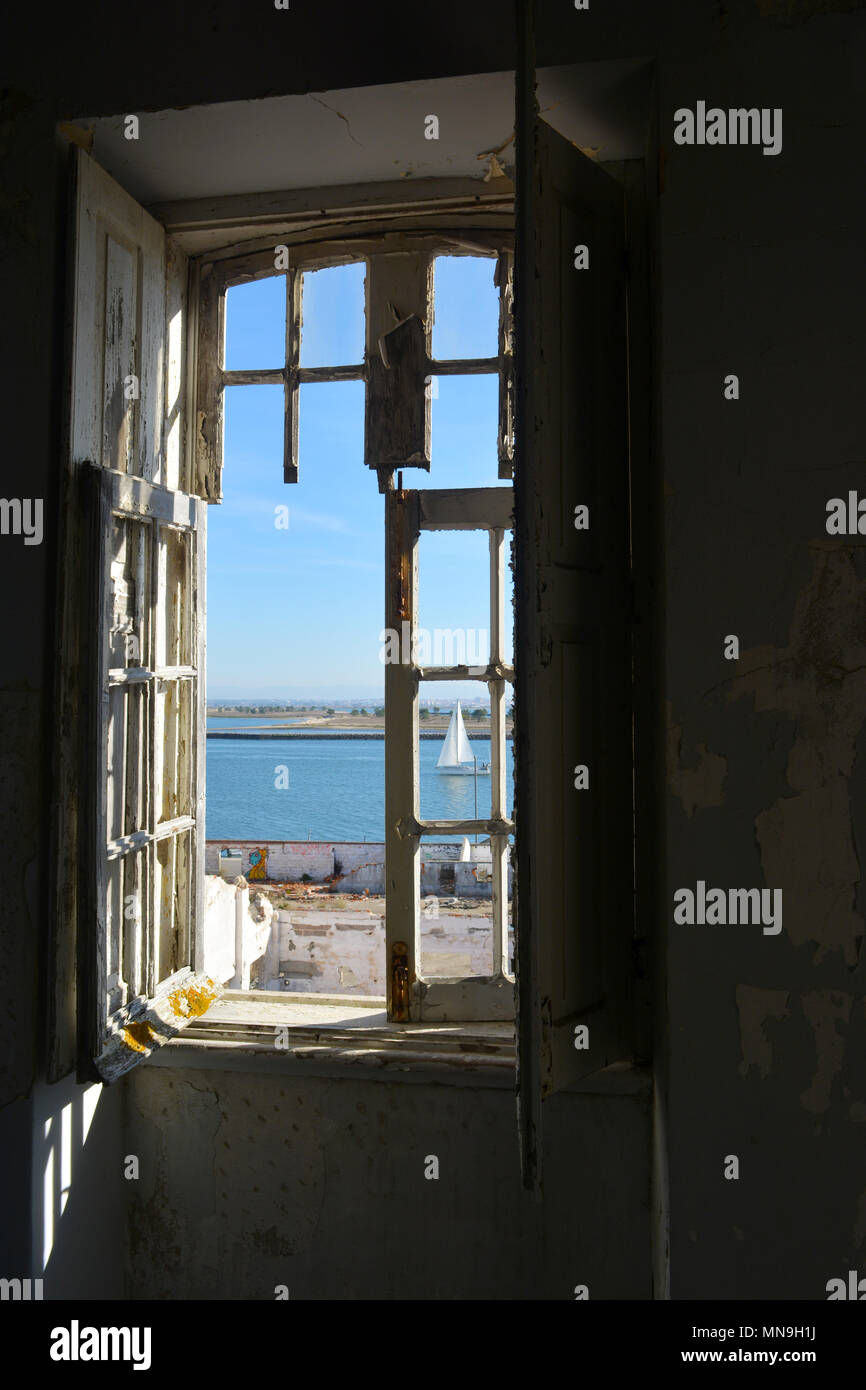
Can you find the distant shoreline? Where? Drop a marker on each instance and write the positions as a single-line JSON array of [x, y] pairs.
[[336, 734]]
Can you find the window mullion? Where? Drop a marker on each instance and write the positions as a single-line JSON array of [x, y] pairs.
[[156, 635], [198, 656], [402, 852], [498, 843], [293, 348], [464, 366]]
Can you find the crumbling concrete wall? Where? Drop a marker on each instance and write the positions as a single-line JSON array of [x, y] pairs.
[[343, 951], [356, 867]]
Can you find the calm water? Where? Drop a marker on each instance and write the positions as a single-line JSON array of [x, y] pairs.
[[336, 790]]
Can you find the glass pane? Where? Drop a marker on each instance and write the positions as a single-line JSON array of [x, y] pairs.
[[465, 421], [175, 749], [256, 324], [174, 629], [130, 592], [465, 307], [332, 308]]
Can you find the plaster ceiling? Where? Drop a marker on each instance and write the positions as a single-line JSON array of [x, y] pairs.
[[367, 134]]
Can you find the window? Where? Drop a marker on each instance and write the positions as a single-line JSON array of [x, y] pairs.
[[148, 387], [397, 366], [405, 278]]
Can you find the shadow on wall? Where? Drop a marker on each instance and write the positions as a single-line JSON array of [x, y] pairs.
[[78, 1201]]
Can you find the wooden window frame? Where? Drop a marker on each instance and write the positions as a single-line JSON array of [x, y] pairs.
[[411, 997], [128, 828], [398, 288], [132, 1006], [399, 266]]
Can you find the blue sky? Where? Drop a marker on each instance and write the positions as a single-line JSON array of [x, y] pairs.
[[297, 610]]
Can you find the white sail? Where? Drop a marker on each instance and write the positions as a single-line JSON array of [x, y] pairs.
[[456, 749]]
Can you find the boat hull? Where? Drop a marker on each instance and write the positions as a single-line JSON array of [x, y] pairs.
[[464, 771]]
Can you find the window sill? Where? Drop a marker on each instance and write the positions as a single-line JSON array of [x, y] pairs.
[[342, 1035], [338, 1033]]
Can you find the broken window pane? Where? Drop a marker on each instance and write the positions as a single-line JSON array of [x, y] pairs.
[[254, 427], [332, 310], [130, 590], [454, 618], [464, 424], [456, 915], [331, 437], [453, 598], [256, 324], [465, 307], [172, 902], [174, 635], [126, 805], [175, 733]]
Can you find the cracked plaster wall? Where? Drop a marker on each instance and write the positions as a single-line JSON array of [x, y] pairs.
[[252, 1181], [762, 265]]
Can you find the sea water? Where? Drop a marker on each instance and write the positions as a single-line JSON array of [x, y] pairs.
[[335, 791]]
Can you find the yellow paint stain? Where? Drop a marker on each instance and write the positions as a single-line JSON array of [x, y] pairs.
[[138, 1036], [194, 1000]]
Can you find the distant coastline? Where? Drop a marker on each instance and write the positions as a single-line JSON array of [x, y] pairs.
[[336, 735], [320, 723]]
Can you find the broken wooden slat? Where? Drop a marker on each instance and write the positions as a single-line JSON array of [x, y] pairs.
[[398, 413], [137, 1032], [463, 366]]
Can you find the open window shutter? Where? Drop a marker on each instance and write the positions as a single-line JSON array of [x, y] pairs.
[[573, 630], [139, 823]]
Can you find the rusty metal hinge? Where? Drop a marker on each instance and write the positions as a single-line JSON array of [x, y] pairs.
[[400, 982]]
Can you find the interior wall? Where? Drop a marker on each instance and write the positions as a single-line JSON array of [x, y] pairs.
[[762, 264], [252, 1181]]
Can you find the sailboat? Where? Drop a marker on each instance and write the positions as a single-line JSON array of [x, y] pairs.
[[457, 756]]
